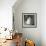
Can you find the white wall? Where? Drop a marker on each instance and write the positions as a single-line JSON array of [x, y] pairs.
[[29, 6], [43, 22], [6, 13]]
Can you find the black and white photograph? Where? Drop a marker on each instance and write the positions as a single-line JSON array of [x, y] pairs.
[[29, 20]]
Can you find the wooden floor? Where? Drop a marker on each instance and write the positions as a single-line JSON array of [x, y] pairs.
[[9, 43]]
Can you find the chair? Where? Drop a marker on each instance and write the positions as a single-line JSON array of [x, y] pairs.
[[18, 39]]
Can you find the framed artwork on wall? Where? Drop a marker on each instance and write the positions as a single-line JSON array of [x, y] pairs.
[[29, 20]]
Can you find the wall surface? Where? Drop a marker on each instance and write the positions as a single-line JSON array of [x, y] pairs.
[[43, 22], [28, 6], [6, 13]]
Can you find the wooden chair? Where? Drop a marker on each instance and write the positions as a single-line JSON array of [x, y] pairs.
[[18, 39]]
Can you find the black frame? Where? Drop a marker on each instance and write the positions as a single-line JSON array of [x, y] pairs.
[[34, 19]]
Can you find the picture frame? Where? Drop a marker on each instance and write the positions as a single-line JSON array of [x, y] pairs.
[[29, 20]]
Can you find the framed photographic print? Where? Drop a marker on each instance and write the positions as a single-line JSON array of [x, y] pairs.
[[29, 20]]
